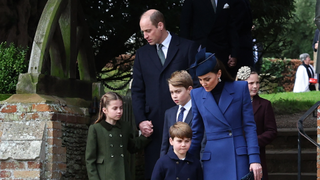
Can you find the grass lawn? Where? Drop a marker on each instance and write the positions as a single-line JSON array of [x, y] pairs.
[[289, 102], [283, 103], [4, 96]]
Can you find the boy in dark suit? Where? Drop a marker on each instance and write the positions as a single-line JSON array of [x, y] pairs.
[[180, 85], [178, 163]]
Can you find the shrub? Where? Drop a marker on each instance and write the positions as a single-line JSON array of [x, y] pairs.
[[12, 63], [274, 74]]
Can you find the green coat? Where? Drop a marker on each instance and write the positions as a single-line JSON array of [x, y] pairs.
[[106, 153]]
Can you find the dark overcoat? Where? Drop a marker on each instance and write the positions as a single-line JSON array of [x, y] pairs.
[[169, 120], [266, 127], [107, 150], [232, 142], [150, 90], [214, 30], [170, 167]]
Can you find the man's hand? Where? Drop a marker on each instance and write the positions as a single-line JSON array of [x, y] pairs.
[[316, 45], [146, 128], [232, 62]]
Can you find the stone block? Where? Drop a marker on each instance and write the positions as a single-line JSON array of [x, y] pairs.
[[34, 165], [25, 108], [28, 130], [54, 142], [12, 165], [53, 125], [20, 150], [35, 174], [55, 133], [41, 107], [9, 109], [50, 85], [5, 174]]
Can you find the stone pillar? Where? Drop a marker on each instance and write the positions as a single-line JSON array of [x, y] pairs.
[[43, 137], [318, 141]]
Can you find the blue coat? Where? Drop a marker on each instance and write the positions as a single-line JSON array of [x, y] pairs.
[[150, 91], [230, 129], [169, 120], [170, 167]]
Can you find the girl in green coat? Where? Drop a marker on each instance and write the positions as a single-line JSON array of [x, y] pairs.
[[109, 140]]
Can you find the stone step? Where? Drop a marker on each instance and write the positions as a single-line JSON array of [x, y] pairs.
[[291, 176], [286, 161], [287, 138]]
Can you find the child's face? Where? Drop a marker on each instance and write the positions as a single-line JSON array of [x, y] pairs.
[[114, 110], [180, 145], [179, 94], [253, 84]]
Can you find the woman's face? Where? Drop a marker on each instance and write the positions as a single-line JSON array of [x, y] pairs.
[[210, 80], [253, 84], [307, 61]]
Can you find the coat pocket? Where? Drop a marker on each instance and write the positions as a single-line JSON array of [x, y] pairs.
[[206, 156], [100, 160], [242, 151]]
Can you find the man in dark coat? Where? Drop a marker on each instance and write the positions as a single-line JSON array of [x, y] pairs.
[[212, 24], [244, 27], [317, 22], [150, 90]]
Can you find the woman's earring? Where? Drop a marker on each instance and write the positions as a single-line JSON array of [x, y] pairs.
[[219, 79]]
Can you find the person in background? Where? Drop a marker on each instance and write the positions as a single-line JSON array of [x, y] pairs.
[[315, 48], [180, 85], [178, 163], [304, 73], [222, 110], [154, 63], [263, 114], [212, 24], [109, 140]]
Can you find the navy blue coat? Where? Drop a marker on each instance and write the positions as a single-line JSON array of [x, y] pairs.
[[171, 167], [169, 120], [232, 142], [150, 90]]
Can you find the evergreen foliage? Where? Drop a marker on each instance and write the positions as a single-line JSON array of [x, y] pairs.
[[301, 30], [12, 63]]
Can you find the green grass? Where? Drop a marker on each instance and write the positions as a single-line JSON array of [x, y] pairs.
[[289, 102], [4, 96]]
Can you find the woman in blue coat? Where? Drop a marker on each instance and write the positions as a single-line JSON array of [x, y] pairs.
[[222, 110]]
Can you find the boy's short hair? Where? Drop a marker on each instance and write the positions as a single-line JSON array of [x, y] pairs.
[[181, 78], [180, 130]]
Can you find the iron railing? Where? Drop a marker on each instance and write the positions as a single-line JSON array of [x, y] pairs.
[[301, 132]]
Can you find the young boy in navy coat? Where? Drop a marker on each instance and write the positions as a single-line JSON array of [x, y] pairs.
[[178, 163], [180, 85]]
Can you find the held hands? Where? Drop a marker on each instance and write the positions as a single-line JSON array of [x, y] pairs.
[[146, 128], [257, 170]]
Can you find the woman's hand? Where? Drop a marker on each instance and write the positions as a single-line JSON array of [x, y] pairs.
[[257, 170]]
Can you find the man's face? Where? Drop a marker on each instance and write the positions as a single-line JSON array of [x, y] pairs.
[[151, 33]]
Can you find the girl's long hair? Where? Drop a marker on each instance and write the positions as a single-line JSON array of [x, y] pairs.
[[104, 102]]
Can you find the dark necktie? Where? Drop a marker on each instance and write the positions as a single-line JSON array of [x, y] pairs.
[[161, 54], [180, 117]]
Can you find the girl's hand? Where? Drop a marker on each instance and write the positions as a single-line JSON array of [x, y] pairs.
[[257, 170]]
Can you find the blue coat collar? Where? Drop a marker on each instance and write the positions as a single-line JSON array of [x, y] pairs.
[[224, 102]]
